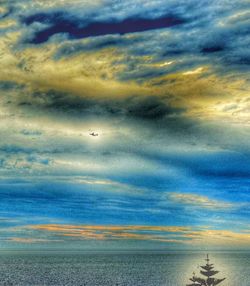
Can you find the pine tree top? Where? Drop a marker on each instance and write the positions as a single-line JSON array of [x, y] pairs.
[[208, 272]]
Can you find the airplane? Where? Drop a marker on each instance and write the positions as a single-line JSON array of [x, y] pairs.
[[93, 134]]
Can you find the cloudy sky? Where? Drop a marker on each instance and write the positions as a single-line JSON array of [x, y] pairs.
[[164, 85]]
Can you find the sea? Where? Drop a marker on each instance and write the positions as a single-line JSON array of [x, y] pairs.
[[124, 268]]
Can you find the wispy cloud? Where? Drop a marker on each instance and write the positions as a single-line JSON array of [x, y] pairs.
[[220, 237], [30, 240], [200, 201], [165, 234]]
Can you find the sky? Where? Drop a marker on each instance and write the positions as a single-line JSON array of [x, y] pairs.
[[164, 86]]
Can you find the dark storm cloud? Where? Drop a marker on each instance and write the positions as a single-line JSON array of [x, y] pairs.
[[151, 108], [188, 48], [206, 33], [94, 44], [141, 107], [58, 23], [213, 49]]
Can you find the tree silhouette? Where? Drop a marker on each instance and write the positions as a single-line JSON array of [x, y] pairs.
[[207, 271]]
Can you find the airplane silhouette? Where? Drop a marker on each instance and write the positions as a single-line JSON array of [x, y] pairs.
[[93, 134]]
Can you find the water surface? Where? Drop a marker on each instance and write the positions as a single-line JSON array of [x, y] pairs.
[[113, 268]]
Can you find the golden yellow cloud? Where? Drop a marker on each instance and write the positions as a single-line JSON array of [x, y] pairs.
[[202, 92], [218, 237], [171, 234], [189, 236]]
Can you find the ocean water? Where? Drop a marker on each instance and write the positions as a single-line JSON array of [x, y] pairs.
[[113, 268]]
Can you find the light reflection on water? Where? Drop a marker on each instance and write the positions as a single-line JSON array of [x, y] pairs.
[[123, 269], [234, 266]]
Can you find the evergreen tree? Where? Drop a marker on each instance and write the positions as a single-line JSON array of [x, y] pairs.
[[207, 271]]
